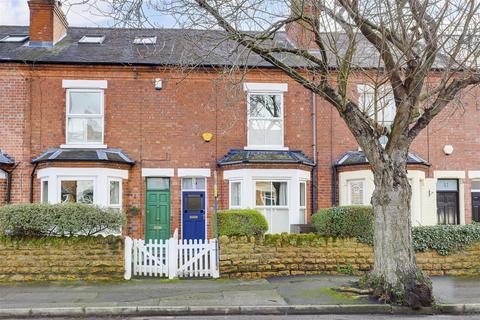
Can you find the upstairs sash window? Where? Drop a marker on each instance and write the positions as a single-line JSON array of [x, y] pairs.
[[265, 119]]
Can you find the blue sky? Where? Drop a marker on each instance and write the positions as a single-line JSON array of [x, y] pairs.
[[15, 12]]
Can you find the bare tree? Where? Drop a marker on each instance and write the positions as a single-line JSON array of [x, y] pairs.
[[421, 53]]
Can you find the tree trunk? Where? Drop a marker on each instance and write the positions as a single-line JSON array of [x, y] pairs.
[[395, 277]]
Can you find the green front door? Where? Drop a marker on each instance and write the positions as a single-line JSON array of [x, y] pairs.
[[158, 215]]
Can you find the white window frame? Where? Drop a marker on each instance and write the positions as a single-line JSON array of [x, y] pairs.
[[83, 116], [386, 94], [281, 119], [78, 178], [304, 207], [349, 192], [120, 190], [88, 39], [231, 194]]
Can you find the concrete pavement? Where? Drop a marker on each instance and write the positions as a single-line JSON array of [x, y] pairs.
[[276, 295]]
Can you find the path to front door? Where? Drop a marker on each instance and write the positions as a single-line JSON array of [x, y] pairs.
[[193, 215], [157, 224]]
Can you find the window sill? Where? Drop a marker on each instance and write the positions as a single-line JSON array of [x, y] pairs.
[[272, 148], [83, 146]]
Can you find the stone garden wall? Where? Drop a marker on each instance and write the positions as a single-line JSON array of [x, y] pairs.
[[307, 255], [75, 258]]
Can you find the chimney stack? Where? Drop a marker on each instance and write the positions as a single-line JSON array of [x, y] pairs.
[[48, 23]]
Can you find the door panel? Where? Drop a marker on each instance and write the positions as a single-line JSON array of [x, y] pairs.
[[476, 206], [447, 207], [193, 215], [158, 215]]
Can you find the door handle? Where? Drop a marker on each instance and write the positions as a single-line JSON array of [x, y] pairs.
[[201, 211]]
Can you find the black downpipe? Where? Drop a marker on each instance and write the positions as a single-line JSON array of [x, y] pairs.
[[8, 197], [334, 186], [32, 179]]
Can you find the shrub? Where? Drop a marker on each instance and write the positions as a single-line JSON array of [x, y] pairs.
[[345, 222], [445, 239], [241, 223], [58, 219]]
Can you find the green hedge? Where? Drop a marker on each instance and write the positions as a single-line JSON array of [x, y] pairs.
[[358, 222], [344, 222], [58, 220], [445, 239], [243, 222]]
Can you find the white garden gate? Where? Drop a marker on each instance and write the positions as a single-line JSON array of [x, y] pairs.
[[171, 258]]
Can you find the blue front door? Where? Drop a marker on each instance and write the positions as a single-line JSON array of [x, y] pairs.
[[193, 214]]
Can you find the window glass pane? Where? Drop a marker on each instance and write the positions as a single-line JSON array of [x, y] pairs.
[[94, 130], [187, 183], [279, 193], [265, 132], [45, 191], [356, 192], [80, 191], [199, 183], [303, 199], [158, 183], [447, 185], [263, 193], [235, 194], [475, 184], [82, 102], [265, 106], [75, 130], [115, 192], [271, 193], [194, 203]]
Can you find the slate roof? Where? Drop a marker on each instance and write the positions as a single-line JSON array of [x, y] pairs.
[[358, 157], [97, 155], [186, 47], [5, 159], [264, 156]]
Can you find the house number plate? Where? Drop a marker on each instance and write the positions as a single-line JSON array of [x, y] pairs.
[[157, 227]]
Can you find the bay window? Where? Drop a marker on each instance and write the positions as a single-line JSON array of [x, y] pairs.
[[85, 117]]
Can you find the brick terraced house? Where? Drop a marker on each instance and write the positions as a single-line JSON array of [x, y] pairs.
[[115, 117]]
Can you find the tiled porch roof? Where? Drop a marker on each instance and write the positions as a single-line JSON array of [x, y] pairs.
[[93, 155], [358, 157], [5, 159], [264, 156]]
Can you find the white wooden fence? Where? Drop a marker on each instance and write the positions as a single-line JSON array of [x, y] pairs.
[[171, 258]]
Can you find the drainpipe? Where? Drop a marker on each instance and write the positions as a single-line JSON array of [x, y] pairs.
[[9, 183], [313, 200], [334, 185], [32, 178]]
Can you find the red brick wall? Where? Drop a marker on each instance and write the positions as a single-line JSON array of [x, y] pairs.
[[162, 129]]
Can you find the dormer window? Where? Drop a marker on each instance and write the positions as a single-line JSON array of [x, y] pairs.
[[92, 39], [17, 38], [145, 40], [265, 115]]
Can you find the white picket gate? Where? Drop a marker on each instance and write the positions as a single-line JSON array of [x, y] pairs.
[[171, 258]]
